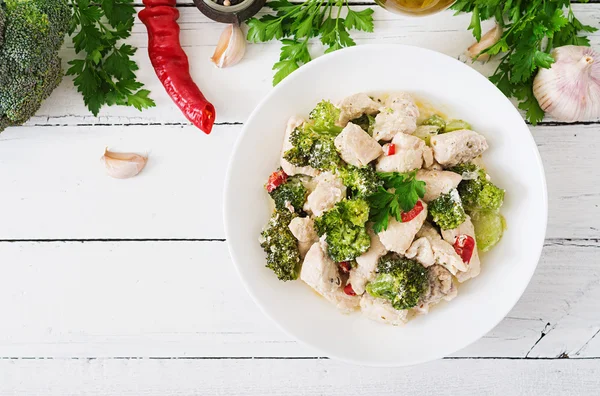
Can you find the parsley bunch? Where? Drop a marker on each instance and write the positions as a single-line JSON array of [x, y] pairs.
[[532, 28], [106, 76], [295, 24], [400, 191]]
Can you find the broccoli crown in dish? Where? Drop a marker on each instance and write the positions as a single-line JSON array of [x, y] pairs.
[[362, 181], [476, 191], [292, 192], [281, 247], [447, 211]]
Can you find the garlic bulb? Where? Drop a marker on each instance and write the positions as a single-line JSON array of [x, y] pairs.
[[230, 48], [490, 38], [570, 89], [123, 165]]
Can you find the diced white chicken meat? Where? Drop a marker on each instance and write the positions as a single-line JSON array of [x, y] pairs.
[[356, 146], [303, 228], [438, 182], [328, 191], [409, 155], [344, 302], [399, 115], [382, 311], [474, 265], [293, 123], [457, 147], [319, 271], [399, 236], [355, 106], [430, 244], [441, 287], [364, 271]]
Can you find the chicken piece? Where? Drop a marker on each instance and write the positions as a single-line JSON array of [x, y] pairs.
[[474, 265], [428, 160], [443, 253], [293, 123], [364, 271], [409, 155], [438, 182], [355, 106], [319, 271], [399, 115], [328, 191], [441, 287], [457, 147], [356, 146], [303, 228], [399, 236], [382, 311], [342, 301]]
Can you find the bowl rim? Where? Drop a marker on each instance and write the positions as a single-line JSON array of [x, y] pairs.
[[282, 86]]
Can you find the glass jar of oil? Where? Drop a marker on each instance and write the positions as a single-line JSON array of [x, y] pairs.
[[415, 7]]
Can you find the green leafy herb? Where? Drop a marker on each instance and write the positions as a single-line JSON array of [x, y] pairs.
[[531, 30], [295, 24], [400, 193], [106, 76]]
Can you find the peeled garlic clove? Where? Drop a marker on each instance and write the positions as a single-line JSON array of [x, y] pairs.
[[490, 38], [570, 89], [123, 165], [230, 48]]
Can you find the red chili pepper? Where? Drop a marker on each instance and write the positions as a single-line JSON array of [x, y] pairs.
[[276, 179], [349, 290], [464, 245], [411, 214], [345, 267], [390, 149], [171, 63]]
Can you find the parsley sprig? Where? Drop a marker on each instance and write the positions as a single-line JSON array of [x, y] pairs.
[[400, 193], [531, 30], [106, 76], [295, 24]]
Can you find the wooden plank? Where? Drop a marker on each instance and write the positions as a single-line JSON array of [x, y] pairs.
[[296, 377], [184, 299], [56, 188], [236, 91]]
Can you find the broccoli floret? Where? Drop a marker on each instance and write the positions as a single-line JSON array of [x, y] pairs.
[[344, 227], [401, 281], [455, 125], [489, 227], [447, 211], [366, 122], [362, 182], [476, 192], [281, 247], [32, 32], [325, 115], [292, 192], [435, 120]]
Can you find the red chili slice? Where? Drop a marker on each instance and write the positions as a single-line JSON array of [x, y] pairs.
[[349, 290], [276, 179], [390, 149], [345, 267], [414, 212], [464, 247]]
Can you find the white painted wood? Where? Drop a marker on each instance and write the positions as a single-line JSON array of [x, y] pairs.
[[296, 377], [55, 186], [184, 299], [236, 91]]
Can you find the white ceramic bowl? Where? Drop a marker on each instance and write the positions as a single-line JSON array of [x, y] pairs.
[[512, 160]]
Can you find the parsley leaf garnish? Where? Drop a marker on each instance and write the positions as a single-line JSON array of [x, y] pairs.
[[400, 193], [295, 24], [531, 30], [106, 75]]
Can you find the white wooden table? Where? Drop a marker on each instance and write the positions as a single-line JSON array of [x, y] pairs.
[[126, 287]]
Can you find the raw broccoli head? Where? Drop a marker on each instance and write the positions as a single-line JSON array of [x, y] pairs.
[[325, 115], [401, 281], [447, 211], [362, 182], [313, 146], [292, 192], [344, 227], [476, 192], [281, 246]]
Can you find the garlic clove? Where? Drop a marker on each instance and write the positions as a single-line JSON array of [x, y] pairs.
[[230, 48], [570, 89], [490, 38], [123, 165]]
